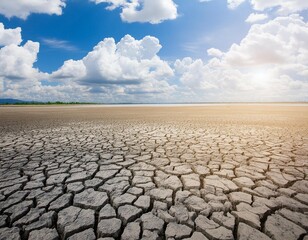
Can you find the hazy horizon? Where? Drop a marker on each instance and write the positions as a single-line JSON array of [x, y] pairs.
[[28, 102]]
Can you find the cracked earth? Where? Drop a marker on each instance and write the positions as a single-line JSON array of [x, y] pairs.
[[226, 172]]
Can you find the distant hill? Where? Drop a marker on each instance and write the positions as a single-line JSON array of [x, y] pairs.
[[10, 101]]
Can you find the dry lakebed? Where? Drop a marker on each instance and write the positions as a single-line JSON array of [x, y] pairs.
[[220, 171]]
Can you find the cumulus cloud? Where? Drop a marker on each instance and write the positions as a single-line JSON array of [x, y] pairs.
[[22, 9], [16, 61], [19, 79], [143, 10], [128, 67], [280, 41], [192, 74], [129, 70], [71, 69], [256, 17], [9, 36], [214, 52], [17, 73], [129, 61], [270, 64]]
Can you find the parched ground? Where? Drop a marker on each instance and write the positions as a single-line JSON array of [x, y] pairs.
[[194, 172]]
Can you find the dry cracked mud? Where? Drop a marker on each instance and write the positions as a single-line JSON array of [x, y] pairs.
[[206, 172]]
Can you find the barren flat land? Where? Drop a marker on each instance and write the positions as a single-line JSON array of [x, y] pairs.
[[224, 171]]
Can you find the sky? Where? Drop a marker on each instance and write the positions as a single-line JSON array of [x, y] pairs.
[[154, 51]]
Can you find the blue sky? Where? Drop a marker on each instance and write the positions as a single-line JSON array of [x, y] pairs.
[[181, 68], [83, 24]]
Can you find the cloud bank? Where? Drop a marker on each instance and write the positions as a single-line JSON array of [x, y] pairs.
[[125, 71], [269, 64]]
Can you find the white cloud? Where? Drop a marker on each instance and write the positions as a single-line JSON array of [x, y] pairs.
[[113, 4], [129, 70], [193, 74], [16, 62], [150, 11], [232, 4], [284, 6], [71, 69], [9, 36], [129, 61], [17, 73], [23, 8], [59, 44], [214, 52], [18, 77], [256, 17], [130, 65], [280, 41], [269, 64]]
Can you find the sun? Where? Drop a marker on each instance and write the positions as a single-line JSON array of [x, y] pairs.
[[262, 78]]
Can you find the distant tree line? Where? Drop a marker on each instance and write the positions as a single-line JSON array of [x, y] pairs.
[[47, 103]]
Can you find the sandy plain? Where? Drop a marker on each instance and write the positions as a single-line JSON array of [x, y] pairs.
[[229, 171]]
